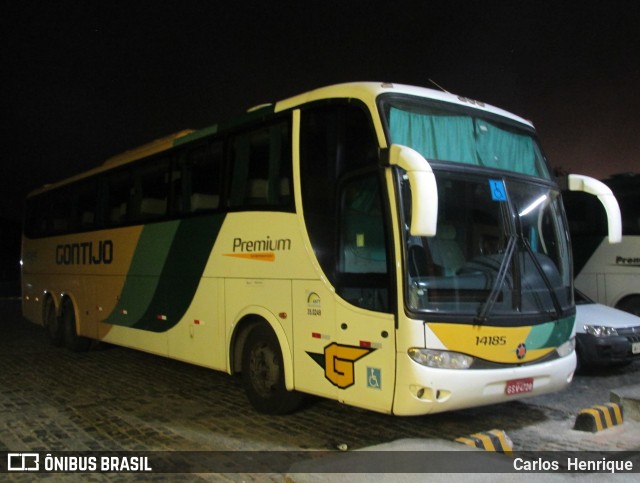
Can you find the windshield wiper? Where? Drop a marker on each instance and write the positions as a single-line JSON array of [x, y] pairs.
[[485, 310], [536, 263], [487, 307]]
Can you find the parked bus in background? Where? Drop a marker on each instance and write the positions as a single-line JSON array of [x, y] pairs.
[[609, 274], [391, 247]]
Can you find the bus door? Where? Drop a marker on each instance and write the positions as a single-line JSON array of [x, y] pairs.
[[365, 328], [350, 330], [363, 358]]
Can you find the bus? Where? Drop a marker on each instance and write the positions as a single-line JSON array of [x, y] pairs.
[[609, 274], [394, 248]]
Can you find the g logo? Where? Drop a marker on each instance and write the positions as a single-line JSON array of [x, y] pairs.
[[339, 361]]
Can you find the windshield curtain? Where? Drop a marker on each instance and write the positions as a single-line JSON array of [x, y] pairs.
[[501, 251], [449, 136]]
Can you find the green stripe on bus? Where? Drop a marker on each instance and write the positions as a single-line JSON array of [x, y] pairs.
[[173, 260], [181, 273], [551, 334], [142, 279]]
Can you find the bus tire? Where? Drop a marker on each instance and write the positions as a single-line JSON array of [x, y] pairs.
[[52, 324], [72, 340], [630, 304], [263, 373]]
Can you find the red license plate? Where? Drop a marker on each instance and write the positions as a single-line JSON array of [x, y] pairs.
[[519, 386]]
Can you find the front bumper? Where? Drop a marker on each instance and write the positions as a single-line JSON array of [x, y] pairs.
[[424, 390]]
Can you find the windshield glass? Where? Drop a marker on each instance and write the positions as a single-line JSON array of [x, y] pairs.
[[452, 133], [500, 250]]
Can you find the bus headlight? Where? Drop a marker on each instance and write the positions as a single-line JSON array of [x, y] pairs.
[[567, 348], [440, 359]]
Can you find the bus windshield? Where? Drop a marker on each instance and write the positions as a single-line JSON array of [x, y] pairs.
[[463, 136], [500, 250]]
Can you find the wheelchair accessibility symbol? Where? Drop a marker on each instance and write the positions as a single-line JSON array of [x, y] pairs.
[[374, 377], [498, 191]]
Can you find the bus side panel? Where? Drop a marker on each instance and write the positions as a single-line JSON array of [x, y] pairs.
[[313, 331], [587, 283], [162, 281], [32, 299], [199, 337], [372, 334], [144, 340], [612, 272], [87, 267], [269, 300], [617, 286], [81, 291]]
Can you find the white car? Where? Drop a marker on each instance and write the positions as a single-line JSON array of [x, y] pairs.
[[604, 335]]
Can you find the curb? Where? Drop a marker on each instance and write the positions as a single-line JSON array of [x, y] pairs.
[[629, 398], [493, 440], [598, 418]]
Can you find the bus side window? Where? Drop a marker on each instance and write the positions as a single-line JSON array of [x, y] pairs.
[[35, 224], [85, 215], [151, 190], [64, 210], [117, 197], [362, 238], [60, 208], [261, 168], [362, 256], [341, 201], [197, 179], [334, 140]]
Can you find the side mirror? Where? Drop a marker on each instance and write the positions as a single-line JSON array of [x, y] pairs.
[[578, 182], [424, 190]]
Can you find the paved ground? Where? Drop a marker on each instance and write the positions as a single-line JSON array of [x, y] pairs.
[[114, 399]]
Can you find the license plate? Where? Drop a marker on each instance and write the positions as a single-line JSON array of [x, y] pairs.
[[635, 348], [519, 386]]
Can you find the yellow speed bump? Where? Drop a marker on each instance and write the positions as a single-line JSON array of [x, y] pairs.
[[494, 440], [597, 418]]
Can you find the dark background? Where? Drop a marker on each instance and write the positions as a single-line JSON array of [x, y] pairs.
[[83, 80]]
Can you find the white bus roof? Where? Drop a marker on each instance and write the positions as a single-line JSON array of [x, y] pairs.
[[369, 92]]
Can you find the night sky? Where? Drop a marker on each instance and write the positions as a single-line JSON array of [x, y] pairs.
[[84, 80]]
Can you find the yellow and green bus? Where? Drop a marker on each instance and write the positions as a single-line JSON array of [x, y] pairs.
[[391, 247]]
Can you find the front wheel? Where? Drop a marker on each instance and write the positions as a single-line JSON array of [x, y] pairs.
[[263, 374]]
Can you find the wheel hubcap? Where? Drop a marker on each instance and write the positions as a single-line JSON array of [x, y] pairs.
[[264, 369]]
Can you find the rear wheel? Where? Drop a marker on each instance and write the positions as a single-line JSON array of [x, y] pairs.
[[52, 323], [72, 340], [263, 374]]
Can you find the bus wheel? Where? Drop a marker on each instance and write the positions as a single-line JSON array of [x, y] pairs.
[[263, 374], [630, 304], [72, 340], [52, 323]]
